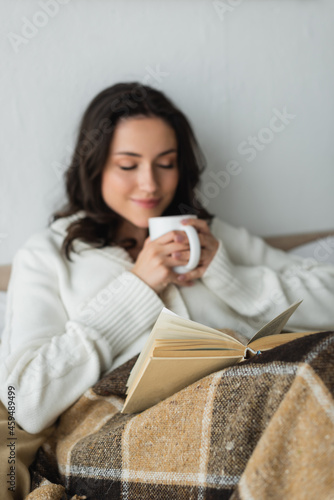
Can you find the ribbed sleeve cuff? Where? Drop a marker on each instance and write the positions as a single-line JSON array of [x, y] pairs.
[[220, 271], [239, 286], [123, 310]]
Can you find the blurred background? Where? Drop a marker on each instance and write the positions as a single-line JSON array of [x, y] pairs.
[[255, 78]]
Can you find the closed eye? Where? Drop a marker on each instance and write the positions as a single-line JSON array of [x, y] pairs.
[[170, 165]]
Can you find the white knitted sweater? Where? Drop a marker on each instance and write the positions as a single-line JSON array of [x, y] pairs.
[[68, 323]]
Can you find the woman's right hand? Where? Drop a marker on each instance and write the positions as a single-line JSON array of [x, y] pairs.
[[157, 258]]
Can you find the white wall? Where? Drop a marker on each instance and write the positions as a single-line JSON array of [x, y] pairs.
[[232, 66]]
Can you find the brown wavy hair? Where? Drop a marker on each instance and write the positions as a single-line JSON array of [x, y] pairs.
[[100, 223]]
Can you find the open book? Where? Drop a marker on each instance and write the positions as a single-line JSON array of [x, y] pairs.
[[179, 352]]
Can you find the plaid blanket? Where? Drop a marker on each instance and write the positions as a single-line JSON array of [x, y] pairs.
[[262, 429]]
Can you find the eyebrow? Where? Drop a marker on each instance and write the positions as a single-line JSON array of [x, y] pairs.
[[128, 153]]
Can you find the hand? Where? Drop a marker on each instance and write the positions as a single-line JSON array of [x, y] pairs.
[[157, 258], [209, 247]]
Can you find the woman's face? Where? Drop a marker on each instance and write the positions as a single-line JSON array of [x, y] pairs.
[[141, 174]]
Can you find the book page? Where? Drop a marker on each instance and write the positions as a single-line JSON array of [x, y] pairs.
[[236, 335], [276, 325], [271, 341], [171, 326], [191, 344], [183, 332], [195, 353], [179, 324]]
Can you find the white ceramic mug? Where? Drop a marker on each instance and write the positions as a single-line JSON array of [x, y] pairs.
[[162, 225]]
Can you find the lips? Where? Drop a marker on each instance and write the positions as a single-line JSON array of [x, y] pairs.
[[147, 203]]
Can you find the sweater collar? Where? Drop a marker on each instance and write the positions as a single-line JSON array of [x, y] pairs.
[[61, 225]]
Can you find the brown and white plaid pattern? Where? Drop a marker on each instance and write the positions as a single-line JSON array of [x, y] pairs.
[[262, 429]]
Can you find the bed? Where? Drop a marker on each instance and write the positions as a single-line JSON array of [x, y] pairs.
[[263, 429]]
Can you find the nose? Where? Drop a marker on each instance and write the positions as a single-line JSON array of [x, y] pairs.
[[147, 180]]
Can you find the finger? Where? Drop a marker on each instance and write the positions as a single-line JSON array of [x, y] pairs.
[[200, 224], [181, 280], [174, 248], [183, 257], [181, 254], [172, 262], [207, 240], [205, 256], [185, 254], [172, 236], [191, 275]]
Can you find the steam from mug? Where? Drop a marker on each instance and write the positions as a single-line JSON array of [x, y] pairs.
[[162, 225]]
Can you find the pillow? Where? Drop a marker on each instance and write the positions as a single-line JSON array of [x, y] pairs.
[[321, 250], [3, 298]]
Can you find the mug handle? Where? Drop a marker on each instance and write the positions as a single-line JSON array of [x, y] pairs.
[[195, 251]]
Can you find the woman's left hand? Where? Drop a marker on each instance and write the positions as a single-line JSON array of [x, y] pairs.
[[209, 247]]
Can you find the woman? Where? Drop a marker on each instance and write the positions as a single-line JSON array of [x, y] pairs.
[[85, 293]]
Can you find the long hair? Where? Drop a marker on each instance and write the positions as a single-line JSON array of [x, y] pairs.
[[100, 223]]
